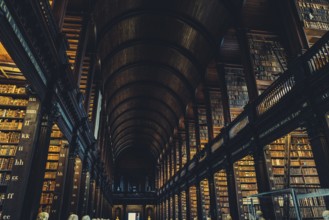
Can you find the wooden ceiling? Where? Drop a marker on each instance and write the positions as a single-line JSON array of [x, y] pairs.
[[154, 55]]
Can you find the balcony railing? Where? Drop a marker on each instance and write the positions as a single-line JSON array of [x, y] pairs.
[[275, 92]]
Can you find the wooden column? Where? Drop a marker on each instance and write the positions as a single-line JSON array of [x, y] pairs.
[[209, 116], [212, 192], [125, 216], [319, 140], [224, 94], [179, 144], [35, 182], [59, 11], [98, 199], [72, 184], [263, 183], [197, 127], [175, 156], [84, 189], [291, 27], [232, 193], [199, 201], [169, 152], [91, 201], [188, 203], [247, 64], [179, 214], [187, 138]]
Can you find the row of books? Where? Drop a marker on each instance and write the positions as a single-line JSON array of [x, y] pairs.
[[8, 124], [8, 150], [12, 113], [6, 163], [5, 100], [12, 89], [9, 137]]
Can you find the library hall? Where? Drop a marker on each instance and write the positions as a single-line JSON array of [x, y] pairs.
[[164, 110]]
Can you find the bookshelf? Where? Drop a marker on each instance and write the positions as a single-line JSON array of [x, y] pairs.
[[203, 125], [183, 205], [268, 57], [184, 148], [216, 108], [246, 184], [176, 207], [173, 157], [193, 203], [13, 103], [192, 137], [299, 168], [92, 102], [171, 207], [314, 15], [86, 64], [168, 168], [53, 177], [222, 199], [205, 198], [177, 155], [236, 90], [72, 28], [167, 209]]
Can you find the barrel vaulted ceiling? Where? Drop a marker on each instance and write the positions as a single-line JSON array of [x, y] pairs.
[[153, 56]]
